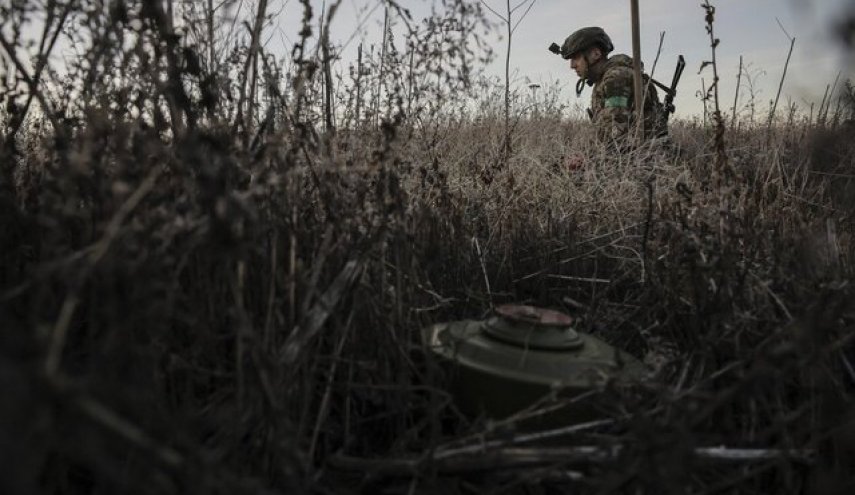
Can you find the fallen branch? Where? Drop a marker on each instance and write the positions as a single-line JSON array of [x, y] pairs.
[[321, 311], [515, 458]]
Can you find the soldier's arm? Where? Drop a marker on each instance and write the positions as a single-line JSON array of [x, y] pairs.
[[613, 121]]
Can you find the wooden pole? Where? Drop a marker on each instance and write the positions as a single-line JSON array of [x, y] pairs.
[[636, 65], [358, 83], [380, 81], [736, 96]]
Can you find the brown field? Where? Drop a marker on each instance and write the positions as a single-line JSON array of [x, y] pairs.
[[213, 278]]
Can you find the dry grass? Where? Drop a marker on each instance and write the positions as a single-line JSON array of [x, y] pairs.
[[192, 305]]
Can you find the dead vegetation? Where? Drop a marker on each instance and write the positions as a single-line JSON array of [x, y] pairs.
[[215, 266]]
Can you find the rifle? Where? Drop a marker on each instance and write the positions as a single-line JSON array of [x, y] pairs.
[[671, 92]]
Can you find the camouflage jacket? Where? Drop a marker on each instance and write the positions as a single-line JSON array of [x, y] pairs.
[[613, 103]]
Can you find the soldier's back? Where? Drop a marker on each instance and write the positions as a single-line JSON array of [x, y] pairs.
[[613, 102]]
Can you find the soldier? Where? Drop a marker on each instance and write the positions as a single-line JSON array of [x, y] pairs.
[[613, 100]]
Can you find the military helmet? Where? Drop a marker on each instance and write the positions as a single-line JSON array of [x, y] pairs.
[[586, 38]]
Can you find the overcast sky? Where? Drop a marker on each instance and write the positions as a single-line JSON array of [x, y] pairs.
[[745, 27]]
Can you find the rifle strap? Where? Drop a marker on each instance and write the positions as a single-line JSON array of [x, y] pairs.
[[661, 86]]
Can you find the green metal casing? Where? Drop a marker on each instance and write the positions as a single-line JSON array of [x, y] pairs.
[[499, 367]]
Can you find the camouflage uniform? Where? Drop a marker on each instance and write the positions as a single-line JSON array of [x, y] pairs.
[[613, 102]]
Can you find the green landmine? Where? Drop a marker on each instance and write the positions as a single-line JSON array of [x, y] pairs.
[[519, 356]]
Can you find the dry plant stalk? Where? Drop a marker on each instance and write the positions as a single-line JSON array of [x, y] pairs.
[[226, 297]]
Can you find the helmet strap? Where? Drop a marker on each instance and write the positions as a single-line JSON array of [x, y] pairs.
[[580, 85], [587, 65]]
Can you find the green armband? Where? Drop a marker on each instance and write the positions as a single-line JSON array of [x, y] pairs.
[[617, 102]]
